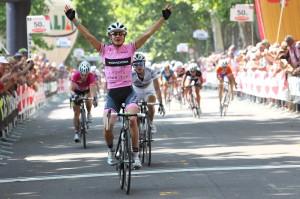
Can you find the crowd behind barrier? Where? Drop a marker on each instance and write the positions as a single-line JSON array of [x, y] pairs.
[[24, 86], [266, 73]]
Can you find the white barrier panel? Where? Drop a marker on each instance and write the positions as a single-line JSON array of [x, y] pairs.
[[260, 83], [294, 85]]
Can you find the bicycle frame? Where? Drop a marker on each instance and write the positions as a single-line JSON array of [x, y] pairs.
[[145, 132], [191, 100], [225, 100], [83, 120], [123, 153]]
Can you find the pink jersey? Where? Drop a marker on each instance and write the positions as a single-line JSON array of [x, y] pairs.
[[83, 85], [117, 61]]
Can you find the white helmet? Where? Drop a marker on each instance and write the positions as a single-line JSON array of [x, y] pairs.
[[117, 26], [138, 60], [139, 57], [178, 65], [193, 67], [84, 67], [224, 63]]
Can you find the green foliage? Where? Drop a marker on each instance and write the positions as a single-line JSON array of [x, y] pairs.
[[94, 15], [2, 19], [38, 7], [138, 16]]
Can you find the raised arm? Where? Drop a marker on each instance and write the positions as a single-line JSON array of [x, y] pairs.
[[156, 26], [70, 13]]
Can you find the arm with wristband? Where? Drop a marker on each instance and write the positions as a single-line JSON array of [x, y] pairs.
[[70, 13], [161, 108], [166, 13]]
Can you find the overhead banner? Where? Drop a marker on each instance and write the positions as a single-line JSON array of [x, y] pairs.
[[268, 14]]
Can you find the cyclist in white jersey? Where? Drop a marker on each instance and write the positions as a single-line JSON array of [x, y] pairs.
[[146, 85], [117, 58]]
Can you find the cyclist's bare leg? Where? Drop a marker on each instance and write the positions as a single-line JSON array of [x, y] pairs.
[[133, 108], [221, 88], [108, 128], [189, 91], [198, 97], [232, 84], [165, 90], [76, 110], [151, 99], [88, 104]]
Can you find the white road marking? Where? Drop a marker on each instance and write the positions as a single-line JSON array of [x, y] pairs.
[[158, 171]]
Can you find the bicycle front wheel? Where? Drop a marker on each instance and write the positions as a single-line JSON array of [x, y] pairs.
[[226, 103], [127, 161], [83, 128], [142, 138], [148, 143]]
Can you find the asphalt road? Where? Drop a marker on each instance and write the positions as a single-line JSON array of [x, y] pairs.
[[253, 153]]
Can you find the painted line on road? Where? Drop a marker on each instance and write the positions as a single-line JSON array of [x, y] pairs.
[[158, 171]]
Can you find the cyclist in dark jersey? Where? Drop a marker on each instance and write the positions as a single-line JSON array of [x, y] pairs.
[[193, 76]]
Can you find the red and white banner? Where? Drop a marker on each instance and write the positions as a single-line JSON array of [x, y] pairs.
[[263, 84]]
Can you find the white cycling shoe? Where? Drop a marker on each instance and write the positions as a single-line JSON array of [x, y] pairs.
[[153, 128], [136, 163], [110, 157], [76, 138]]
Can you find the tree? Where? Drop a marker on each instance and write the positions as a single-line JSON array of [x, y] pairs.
[[38, 7], [95, 16], [139, 15]]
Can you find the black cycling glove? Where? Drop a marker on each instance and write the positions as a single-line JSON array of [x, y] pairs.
[[161, 109], [166, 13], [70, 14]]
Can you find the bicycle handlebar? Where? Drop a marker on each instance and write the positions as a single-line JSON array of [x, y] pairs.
[[148, 103], [81, 98], [129, 114], [192, 85]]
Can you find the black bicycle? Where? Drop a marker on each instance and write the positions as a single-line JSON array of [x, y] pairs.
[[225, 100], [123, 153], [145, 138], [192, 101], [84, 123]]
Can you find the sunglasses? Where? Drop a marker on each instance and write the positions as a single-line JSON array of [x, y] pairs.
[[118, 34], [138, 64]]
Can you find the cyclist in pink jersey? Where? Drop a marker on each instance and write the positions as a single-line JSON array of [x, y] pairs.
[[117, 58], [83, 82]]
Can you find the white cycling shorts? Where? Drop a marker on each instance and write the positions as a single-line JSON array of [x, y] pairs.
[[144, 93]]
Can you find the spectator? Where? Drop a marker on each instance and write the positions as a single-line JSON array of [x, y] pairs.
[[294, 54]]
